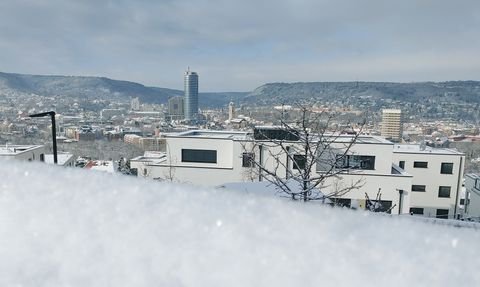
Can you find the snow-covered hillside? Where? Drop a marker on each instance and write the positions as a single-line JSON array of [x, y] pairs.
[[62, 227]]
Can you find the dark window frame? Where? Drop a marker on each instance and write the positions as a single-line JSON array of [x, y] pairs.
[[299, 161], [401, 164], [442, 213], [199, 155], [445, 188], [418, 188], [248, 159], [446, 168], [417, 210], [420, 164], [361, 162]]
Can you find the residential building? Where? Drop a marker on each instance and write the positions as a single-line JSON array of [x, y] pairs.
[[176, 108], [191, 95], [437, 178], [213, 158], [392, 125]]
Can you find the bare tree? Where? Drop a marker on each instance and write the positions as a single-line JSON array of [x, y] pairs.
[[300, 156]]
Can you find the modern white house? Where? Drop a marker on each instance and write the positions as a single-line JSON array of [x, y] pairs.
[[213, 158], [437, 178]]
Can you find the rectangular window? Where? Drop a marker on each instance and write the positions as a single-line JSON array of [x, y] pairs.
[[418, 188], [247, 159], [444, 191], [299, 161], [447, 168], [199, 155], [416, 210], [355, 162], [442, 213], [477, 184], [401, 164], [420, 164], [342, 202]]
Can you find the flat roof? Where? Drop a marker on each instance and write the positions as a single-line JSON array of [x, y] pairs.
[[242, 135], [17, 149], [211, 134], [415, 148]]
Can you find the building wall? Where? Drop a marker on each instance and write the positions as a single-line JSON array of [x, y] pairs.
[[28, 153], [229, 168], [472, 185], [433, 179]]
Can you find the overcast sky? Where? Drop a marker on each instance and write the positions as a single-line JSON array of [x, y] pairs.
[[239, 45]]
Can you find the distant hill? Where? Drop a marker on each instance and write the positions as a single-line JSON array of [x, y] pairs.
[[102, 88], [458, 91], [363, 95]]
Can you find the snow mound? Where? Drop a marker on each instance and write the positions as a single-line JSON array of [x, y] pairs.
[[69, 227]]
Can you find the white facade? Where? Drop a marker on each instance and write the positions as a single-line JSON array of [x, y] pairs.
[[223, 156], [472, 197], [437, 178], [23, 152]]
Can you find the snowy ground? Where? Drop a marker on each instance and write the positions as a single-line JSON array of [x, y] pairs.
[[69, 227]]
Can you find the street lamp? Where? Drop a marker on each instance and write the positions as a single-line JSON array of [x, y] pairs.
[[54, 131]]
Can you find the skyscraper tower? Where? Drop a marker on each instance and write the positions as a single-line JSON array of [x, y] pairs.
[[191, 95]]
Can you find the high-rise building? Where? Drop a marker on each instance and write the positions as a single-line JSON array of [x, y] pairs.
[[231, 111], [191, 95], [175, 108], [392, 124], [135, 104]]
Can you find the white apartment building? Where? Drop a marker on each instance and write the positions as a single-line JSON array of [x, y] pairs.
[[213, 158], [23, 152], [437, 178], [472, 196]]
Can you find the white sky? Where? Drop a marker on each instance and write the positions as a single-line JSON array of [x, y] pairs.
[[239, 45]]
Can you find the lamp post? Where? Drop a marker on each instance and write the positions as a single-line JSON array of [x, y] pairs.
[[54, 131]]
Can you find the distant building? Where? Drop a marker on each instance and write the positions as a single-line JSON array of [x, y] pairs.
[[176, 108], [231, 111], [135, 104], [107, 114], [191, 95], [392, 124]]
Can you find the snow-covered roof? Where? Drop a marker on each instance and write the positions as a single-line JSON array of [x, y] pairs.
[[17, 149], [62, 158], [417, 148]]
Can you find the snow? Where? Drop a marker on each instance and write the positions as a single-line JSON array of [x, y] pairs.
[[71, 227]]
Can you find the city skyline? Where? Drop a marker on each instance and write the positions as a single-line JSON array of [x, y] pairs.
[[238, 46]]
